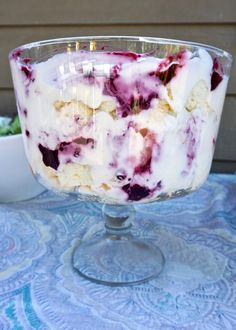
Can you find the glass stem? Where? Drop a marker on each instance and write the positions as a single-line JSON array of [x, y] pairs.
[[118, 219]]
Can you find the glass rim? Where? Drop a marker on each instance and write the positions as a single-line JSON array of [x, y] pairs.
[[155, 40]]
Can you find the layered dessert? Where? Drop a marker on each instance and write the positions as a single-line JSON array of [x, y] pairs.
[[120, 126]]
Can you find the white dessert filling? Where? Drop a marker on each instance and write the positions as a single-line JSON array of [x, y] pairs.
[[164, 147]]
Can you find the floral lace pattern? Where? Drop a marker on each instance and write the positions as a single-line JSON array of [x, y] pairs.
[[196, 290]]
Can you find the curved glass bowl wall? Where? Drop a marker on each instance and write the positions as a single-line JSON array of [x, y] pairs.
[[120, 120]]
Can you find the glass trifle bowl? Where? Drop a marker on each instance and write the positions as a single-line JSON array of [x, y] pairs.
[[120, 121]]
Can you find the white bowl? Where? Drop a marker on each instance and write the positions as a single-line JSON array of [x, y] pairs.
[[16, 179]]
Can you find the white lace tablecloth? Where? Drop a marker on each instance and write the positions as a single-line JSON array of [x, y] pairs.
[[197, 289]]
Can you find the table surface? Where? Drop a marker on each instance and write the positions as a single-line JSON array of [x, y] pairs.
[[197, 289]]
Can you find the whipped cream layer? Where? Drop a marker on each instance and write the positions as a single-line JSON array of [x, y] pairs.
[[120, 126]]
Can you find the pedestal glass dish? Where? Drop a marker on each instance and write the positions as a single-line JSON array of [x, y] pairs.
[[120, 121]]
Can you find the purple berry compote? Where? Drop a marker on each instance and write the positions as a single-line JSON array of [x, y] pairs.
[[120, 126]]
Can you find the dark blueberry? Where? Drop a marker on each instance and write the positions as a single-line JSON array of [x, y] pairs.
[[27, 133], [17, 53], [50, 157], [216, 79], [63, 145], [26, 60], [217, 74], [167, 69], [167, 75], [135, 192], [27, 71], [124, 114]]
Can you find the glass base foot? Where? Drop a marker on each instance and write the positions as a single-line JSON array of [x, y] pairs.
[[118, 260]]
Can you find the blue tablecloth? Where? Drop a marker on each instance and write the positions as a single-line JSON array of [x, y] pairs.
[[197, 289]]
